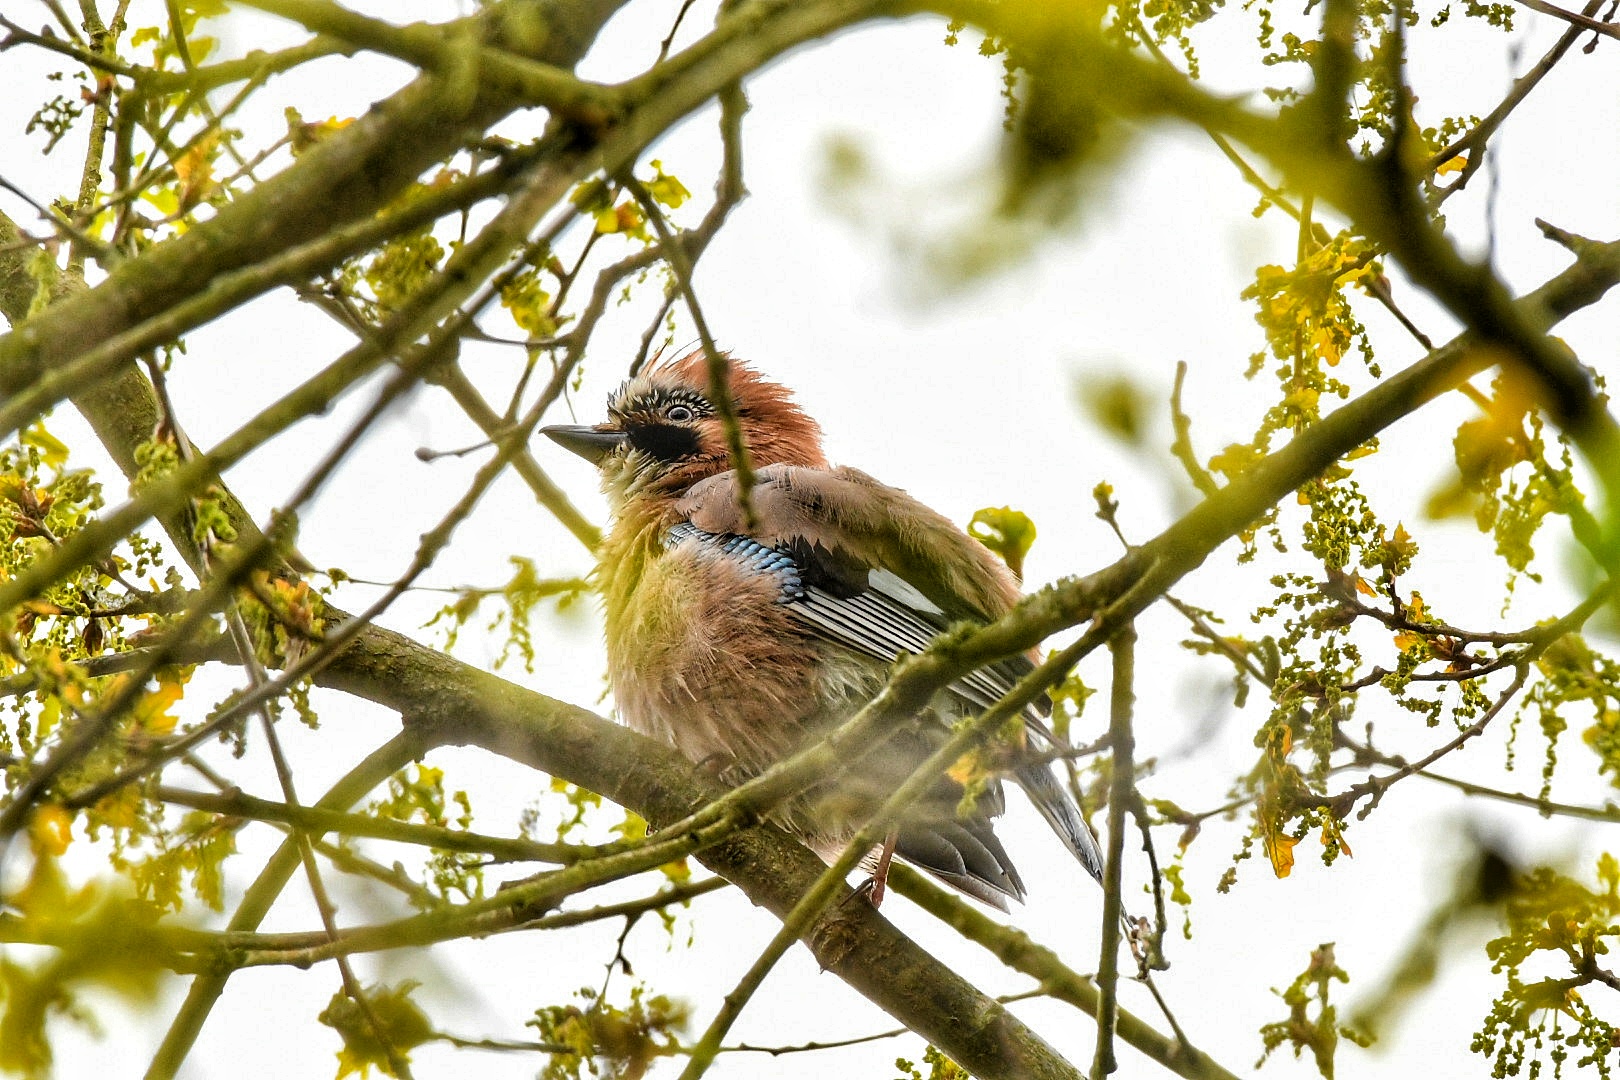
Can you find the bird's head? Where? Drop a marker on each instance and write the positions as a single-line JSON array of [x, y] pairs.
[[663, 433]]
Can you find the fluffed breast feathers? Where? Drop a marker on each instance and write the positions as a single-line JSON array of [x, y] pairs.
[[703, 654]]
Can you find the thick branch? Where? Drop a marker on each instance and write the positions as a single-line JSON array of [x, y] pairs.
[[448, 702], [452, 52]]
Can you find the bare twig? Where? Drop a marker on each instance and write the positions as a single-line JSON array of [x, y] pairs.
[[1182, 447], [1015, 949], [1342, 803], [1473, 142], [725, 406], [1583, 20], [233, 803], [1120, 796]]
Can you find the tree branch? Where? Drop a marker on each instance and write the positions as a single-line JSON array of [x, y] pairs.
[[455, 52], [234, 803], [206, 988], [1583, 20], [1015, 949], [1122, 741]]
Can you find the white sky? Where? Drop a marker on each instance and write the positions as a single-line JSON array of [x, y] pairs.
[[965, 397]]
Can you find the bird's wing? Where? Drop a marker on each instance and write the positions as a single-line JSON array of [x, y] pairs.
[[859, 523], [884, 574], [872, 611], [877, 572], [965, 854], [885, 620]]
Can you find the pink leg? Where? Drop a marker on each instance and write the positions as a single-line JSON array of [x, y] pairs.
[[880, 873]]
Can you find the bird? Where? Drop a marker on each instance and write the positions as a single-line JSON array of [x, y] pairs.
[[742, 631]]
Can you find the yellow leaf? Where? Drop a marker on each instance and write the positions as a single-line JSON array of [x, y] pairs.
[[1280, 848], [334, 123], [968, 769], [1007, 532], [1280, 742], [1452, 165], [53, 451], [302, 136], [389, 1013], [633, 827], [151, 713], [164, 199], [51, 829], [1323, 343], [1302, 398], [666, 189], [50, 716], [529, 304]]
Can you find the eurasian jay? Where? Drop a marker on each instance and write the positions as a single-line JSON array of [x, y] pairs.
[[740, 644]]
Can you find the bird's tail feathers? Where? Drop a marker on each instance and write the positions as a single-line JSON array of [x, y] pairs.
[[965, 855], [1055, 805]]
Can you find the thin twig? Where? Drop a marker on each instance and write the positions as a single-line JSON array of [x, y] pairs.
[[1584, 21], [725, 406], [1473, 141], [1181, 447], [1546, 807], [674, 28], [834, 1044], [207, 987], [1015, 949], [1342, 803], [91, 58], [1121, 786], [234, 803]]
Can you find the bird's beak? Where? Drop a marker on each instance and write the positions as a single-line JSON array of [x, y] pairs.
[[590, 443]]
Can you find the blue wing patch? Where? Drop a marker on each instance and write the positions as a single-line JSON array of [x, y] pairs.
[[752, 554]]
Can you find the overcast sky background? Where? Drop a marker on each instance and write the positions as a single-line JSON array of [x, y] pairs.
[[964, 393]]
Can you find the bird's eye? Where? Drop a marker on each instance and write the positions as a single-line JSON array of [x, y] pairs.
[[678, 413]]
